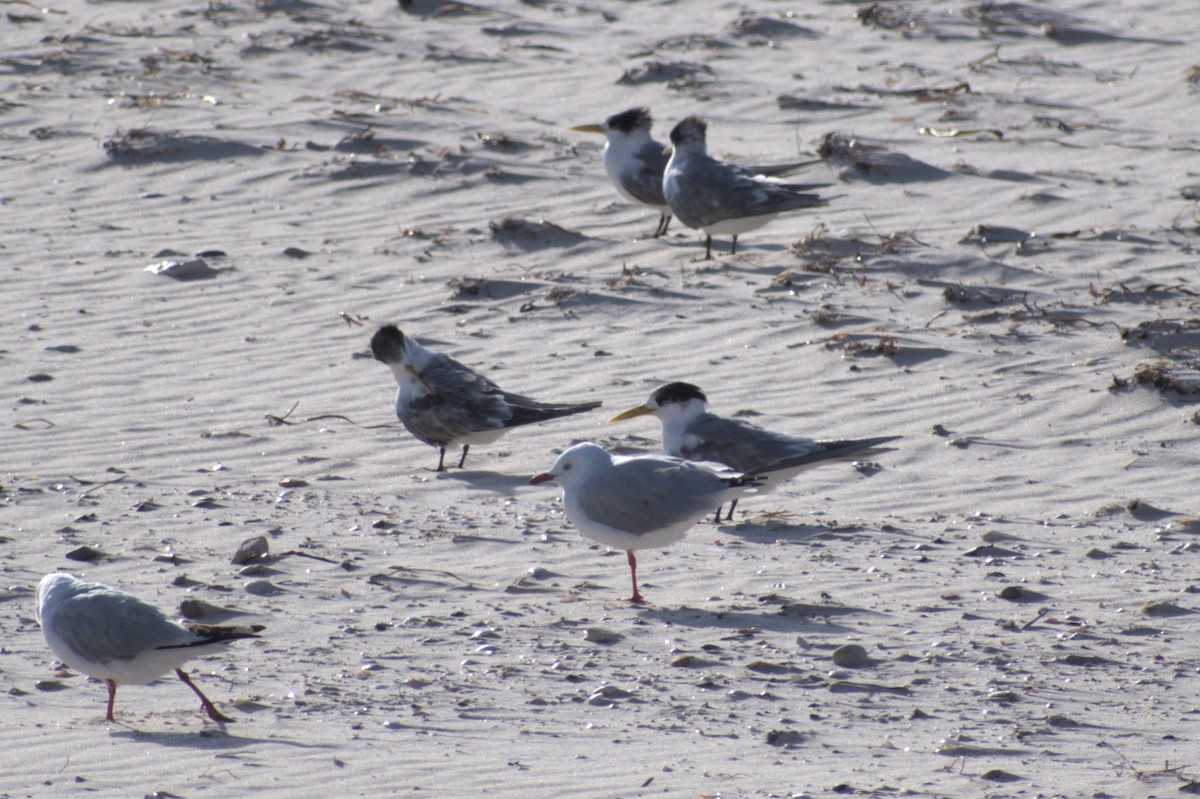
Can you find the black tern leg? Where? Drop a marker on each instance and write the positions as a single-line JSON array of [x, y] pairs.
[[664, 220], [733, 249], [708, 248], [209, 707], [717, 518], [441, 467], [112, 697], [732, 505], [463, 459], [637, 597]]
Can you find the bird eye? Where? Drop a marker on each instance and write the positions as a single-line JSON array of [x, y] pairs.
[[566, 467]]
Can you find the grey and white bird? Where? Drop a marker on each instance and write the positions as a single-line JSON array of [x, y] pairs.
[[446, 404], [690, 431], [722, 199], [113, 636], [642, 502], [635, 161]]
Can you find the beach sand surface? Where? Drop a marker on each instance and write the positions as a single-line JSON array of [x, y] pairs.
[[1005, 275]]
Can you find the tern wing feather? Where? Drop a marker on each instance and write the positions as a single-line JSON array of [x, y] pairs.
[[460, 398], [740, 445], [645, 182], [703, 192], [828, 451], [525, 410]]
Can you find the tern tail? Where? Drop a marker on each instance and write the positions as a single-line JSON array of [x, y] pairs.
[[527, 411]]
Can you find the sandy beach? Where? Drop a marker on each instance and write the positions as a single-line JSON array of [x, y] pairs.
[[208, 209]]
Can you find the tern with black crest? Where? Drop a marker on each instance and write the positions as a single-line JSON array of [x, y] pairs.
[[690, 431], [446, 404], [722, 199], [635, 161]]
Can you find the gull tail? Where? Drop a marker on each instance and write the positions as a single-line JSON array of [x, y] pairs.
[[207, 634]]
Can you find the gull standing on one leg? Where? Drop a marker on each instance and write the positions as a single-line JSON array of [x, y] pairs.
[[721, 199], [643, 502]]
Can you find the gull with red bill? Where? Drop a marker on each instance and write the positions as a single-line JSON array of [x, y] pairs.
[[115, 637], [643, 501]]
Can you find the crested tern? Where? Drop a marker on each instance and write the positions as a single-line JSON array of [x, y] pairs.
[[719, 198], [444, 403], [635, 161], [690, 431]]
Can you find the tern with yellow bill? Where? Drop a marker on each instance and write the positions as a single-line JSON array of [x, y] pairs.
[[690, 431]]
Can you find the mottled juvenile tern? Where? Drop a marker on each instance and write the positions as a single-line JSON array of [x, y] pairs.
[[643, 502], [444, 403], [635, 162], [721, 199], [690, 431], [113, 636]]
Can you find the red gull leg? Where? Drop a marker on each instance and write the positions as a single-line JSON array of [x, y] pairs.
[[637, 597], [112, 696], [209, 707]]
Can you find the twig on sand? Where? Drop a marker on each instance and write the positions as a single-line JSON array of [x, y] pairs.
[[300, 554], [416, 570], [275, 421], [1142, 774], [97, 486]]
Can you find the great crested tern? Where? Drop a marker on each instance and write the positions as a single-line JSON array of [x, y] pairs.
[[690, 431], [444, 403], [635, 161], [722, 199]]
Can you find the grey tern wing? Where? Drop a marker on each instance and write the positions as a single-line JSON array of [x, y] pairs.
[[644, 181], [709, 192], [462, 401], [777, 170], [828, 451], [463, 398], [643, 495], [740, 445], [526, 411]]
